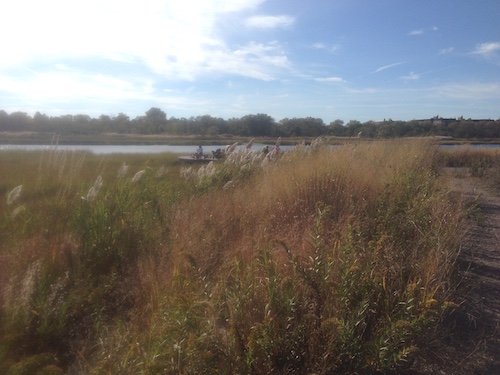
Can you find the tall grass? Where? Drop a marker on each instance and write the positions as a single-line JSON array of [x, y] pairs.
[[69, 256], [319, 260], [476, 162]]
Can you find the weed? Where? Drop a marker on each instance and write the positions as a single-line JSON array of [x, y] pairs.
[[319, 260]]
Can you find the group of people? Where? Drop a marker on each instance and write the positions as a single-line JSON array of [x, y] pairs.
[[220, 153]]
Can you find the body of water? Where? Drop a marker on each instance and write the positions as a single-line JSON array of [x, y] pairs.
[[158, 149], [128, 149], [474, 146]]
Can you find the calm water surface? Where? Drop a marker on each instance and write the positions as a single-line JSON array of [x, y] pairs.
[[158, 149], [126, 149]]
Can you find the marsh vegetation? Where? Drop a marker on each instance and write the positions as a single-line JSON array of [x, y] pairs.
[[318, 261]]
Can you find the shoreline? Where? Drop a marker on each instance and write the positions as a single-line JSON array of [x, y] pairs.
[[51, 139]]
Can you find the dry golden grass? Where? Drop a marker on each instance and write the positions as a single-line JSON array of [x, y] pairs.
[[325, 260], [281, 202]]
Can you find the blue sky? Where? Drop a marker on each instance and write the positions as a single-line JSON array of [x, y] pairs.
[[333, 59]]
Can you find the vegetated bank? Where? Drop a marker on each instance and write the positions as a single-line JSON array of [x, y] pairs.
[[317, 260], [54, 139]]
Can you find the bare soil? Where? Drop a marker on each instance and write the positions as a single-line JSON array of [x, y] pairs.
[[470, 339]]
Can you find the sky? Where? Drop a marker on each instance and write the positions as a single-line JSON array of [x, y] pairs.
[[330, 59]]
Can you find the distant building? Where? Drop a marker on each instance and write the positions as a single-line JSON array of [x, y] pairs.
[[438, 120]]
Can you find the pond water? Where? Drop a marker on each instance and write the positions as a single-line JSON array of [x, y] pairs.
[[127, 149], [158, 149], [474, 146]]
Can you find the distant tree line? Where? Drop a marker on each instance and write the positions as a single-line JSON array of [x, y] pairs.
[[259, 125]]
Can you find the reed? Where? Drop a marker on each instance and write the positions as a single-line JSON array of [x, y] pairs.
[[321, 260], [476, 162]]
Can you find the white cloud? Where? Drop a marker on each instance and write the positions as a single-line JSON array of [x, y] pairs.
[[319, 45], [423, 31], [91, 94], [255, 60], [388, 66], [177, 39], [445, 51], [487, 48], [330, 79], [327, 47], [416, 32], [67, 86], [269, 22], [411, 77]]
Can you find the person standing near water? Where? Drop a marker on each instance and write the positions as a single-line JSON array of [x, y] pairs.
[[199, 152]]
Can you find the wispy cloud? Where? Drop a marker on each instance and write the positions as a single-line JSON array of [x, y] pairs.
[[411, 77], [445, 51], [177, 40], [423, 31], [254, 60], [330, 79], [269, 22], [487, 48], [382, 68], [416, 32], [327, 47]]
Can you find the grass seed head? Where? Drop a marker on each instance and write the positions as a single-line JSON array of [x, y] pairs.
[[14, 194], [138, 175], [94, 190], [122, 172]]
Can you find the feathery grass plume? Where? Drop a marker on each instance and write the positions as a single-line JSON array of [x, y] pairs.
[[14, 194], [278, 142], [271, 155], [257, 157], [210, 169], [207, 171], [28, 284], [249, 145], [17, 211], [317, 143], [188, 173], [232, 147], [122, 172], [201, 172], [138, 175], [94, 190], [162, 171]]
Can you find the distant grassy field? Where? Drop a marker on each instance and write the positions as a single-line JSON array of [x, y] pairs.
[[126, 139], [317, 260], [48, 138]]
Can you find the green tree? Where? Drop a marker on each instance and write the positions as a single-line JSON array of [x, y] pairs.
[[20, 121], [304, 127], [121, 123], [336, 128], [259, 125], [42, 122], [353, 128], [155, 121]]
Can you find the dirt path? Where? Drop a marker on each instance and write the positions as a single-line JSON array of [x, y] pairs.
[[480, 264], [471, 343]]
